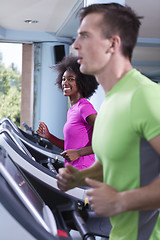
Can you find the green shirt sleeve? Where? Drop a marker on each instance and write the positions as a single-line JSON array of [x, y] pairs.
[[145, 111]]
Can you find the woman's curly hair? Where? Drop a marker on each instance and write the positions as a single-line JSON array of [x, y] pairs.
[[86, 84]]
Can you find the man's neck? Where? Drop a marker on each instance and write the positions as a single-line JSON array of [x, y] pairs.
[[113, 73]]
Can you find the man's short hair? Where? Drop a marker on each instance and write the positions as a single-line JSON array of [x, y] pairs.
[[117, 20]]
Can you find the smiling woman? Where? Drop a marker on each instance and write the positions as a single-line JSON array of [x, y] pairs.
[[80, 117]]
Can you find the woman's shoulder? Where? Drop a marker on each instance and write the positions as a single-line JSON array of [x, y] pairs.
[[84, 104], [83, 101]]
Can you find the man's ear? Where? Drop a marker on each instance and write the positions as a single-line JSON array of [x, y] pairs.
[[115, 43]]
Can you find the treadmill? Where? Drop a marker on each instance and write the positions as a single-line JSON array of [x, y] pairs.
[[44, 181], [20, 200]]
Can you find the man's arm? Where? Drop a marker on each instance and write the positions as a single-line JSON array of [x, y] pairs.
[[107, 201], [155, 143], [70, 177]]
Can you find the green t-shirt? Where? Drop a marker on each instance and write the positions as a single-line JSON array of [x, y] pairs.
[[128, 118]]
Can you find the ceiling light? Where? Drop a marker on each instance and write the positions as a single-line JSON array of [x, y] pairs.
[[30, 21]]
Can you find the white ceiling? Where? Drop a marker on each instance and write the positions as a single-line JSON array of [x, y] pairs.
[[53, 14], [57, 19]]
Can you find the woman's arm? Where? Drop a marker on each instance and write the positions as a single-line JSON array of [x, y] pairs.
[[44, 132], [73, 154], [56, 141], [91, 119]]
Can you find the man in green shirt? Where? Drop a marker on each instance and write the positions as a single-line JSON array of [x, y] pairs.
[[126, 139]]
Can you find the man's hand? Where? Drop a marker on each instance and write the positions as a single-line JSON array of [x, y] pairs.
[[68, 177], [103, 198]]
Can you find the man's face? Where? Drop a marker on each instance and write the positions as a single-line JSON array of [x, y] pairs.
[[92, 47]]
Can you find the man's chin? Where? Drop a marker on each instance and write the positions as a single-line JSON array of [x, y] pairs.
[[84, 70]]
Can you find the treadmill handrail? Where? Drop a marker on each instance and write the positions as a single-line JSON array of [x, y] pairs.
[[10, 122], [49, 154], [20, 135], [16, 142]]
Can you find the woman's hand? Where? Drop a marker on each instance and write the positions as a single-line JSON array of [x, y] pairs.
[[43, 130], [71, 154]]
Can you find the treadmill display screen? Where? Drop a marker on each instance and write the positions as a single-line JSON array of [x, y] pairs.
[[26, 193]]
